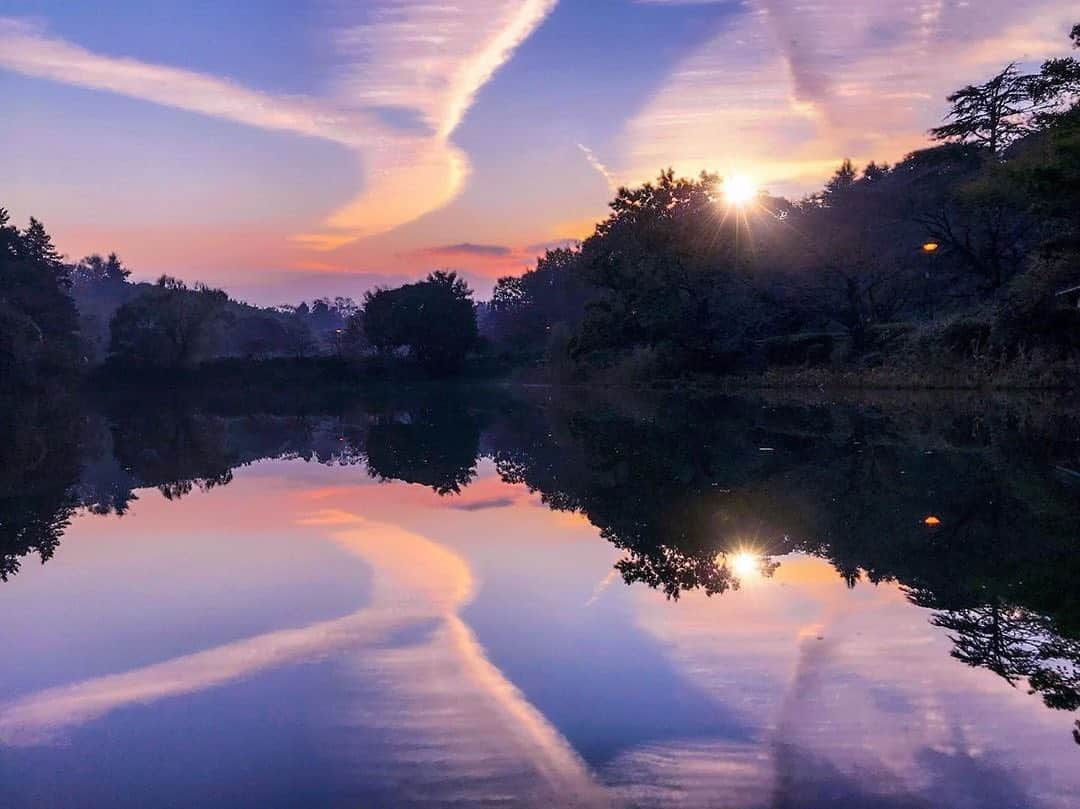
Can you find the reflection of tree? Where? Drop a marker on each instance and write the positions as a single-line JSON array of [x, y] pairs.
[[433, 446], [1000, 569], [38, 466], [1016, 643], [673, 571], [657, 487], [678, 486], [175, 451], [174, 490]]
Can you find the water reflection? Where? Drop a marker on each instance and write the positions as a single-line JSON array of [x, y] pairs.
[[39, 467], [683, 493]]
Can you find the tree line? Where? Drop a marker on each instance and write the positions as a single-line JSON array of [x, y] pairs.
[[954, 256], [58, 319], [960, 260]]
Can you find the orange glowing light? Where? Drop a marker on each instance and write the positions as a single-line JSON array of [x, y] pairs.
[[932, 521], [930, 247]]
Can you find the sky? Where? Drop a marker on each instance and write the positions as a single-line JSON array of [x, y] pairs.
[[288, 150]]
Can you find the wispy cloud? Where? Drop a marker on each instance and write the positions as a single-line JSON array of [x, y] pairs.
[[429, 58], [599, 166], [792, 87], [407, 74], [467, 249], [425, 62], [28, 49]]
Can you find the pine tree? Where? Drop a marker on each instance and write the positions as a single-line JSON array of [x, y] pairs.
[[37, 245], [841, 182], [994, 114]]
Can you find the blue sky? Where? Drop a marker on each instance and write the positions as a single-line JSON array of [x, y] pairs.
[[292, 149]]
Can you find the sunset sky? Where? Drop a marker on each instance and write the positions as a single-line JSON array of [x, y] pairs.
[[287, 150]]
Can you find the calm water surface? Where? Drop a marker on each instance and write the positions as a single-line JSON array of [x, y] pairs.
[[445, 602]]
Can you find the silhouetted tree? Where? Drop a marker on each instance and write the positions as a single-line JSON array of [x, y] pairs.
[[94, 270], [672, 280], [259, 335], [354, 341], [1057, 85], [993, 114], [38, 320], [168, 326], [36, 245], [874, 171], [433, 319], [840, 183], [526, 310], [1016, 644]]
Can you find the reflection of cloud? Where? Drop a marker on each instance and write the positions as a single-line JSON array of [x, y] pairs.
[[40, 717], [443, 712], [785, 656], [410, 71], [449, 728], [483, 505], [792, 87], [602, 586], [417, 580]]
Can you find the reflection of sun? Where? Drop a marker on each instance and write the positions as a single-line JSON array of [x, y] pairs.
[[745, 564], [739, 190]]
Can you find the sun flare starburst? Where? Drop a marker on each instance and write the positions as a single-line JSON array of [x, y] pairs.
[[745, 564], [739, 190]]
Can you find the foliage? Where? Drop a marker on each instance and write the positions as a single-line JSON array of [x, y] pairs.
[[994, 114], [94, 270], [434, 320], [167, 327], [39, 334], [669, 272], [526, 310], [39, 464], [353, 340]]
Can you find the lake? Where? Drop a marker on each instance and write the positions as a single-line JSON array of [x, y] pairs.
[[540, 598]]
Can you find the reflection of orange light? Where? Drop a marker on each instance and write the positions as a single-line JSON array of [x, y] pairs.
[[931, 521], [930, 247], [745, 564]]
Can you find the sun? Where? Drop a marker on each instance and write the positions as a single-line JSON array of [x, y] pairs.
[[739, 190]]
